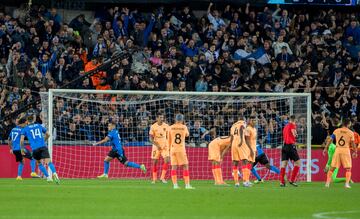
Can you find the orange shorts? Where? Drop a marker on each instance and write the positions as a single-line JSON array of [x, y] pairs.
[[341, 159], [214, 151], [156, 153], [178, 158], [240, 153]]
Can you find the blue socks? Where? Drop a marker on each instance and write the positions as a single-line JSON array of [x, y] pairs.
[[32, 165], [20, 168], [43, 170], [52, 167], [133, 165], [106, 167], [274, 169], [253, 171]]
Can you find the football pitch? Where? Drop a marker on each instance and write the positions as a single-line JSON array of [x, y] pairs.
[[90, 199]]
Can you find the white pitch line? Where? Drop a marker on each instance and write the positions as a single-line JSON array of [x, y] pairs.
[[332, 214]]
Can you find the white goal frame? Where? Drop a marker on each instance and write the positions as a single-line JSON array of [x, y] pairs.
[[234, 94]]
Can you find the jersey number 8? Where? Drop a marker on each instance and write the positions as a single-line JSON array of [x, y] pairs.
[[178, 138]]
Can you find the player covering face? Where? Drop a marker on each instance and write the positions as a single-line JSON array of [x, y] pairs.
[[159, 139], [116, 151], [251, 137]]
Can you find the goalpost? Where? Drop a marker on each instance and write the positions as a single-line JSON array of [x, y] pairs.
[[76, 118]]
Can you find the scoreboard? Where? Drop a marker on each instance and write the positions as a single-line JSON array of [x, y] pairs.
[[314, 2]]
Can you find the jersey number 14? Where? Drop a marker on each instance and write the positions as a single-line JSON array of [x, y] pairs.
[[36, 133]]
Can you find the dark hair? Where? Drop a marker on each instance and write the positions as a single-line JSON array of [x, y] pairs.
[[346, 122], [30, 118], [292, 117], [22, 120]]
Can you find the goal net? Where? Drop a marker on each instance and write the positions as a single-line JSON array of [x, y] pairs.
[[77, 118]]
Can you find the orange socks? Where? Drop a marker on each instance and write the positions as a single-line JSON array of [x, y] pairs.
[[163, 171], [213, 169], [219, 174], [348, 176], [173, 177], [329, 176], [246, 172], [186, 177], [154, 173], [236, 175]]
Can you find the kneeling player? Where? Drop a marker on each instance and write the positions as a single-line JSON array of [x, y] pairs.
[[116, 151], [217, 149], [177, 134], [15, 149], [262, 159], [158, 137], [344, 138]]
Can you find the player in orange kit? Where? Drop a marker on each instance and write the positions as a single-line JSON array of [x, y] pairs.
[[240, 151], [344, 139], [177, 134], [217, 150], [158, 138]]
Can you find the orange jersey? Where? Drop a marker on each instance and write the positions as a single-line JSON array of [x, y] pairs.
[[223, 142], [177, 134], [344, 138], [356, 139], [235, 133], [159, 134], [251, 133]]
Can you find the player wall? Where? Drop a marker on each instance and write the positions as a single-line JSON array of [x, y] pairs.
[[89, 163]]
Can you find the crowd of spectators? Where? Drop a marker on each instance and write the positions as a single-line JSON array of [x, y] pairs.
[[174, 50]]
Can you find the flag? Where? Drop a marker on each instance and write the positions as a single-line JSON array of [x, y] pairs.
[[241, 54], [259, 55]]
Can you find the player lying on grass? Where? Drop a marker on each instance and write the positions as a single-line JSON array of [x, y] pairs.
[[344, 139], [158, 138], [217, 149], [177, 134], [116, 151], [240, 151], [262, 159], [34, 133], [15, 149]]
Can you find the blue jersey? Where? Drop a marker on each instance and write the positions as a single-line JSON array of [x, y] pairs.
[[115, 141], [34, 134], [259, 150], [14, 136]]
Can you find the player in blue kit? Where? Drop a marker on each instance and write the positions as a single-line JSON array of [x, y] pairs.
[[262, 159], [116, 151], [34, 133], [15, 149]]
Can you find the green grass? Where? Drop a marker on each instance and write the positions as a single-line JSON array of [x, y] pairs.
[[104, 199]]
